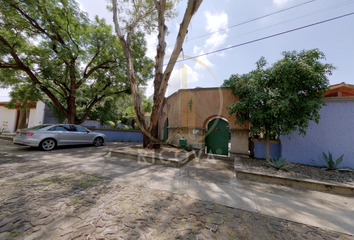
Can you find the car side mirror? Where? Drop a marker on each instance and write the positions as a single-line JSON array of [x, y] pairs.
[[88, 131]]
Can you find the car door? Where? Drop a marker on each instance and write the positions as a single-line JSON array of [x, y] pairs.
[[82, 135], [62, 135]]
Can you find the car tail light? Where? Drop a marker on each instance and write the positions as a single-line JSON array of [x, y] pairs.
[[28, 133]]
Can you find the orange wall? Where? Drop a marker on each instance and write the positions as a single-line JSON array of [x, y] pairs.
[[206, 104]]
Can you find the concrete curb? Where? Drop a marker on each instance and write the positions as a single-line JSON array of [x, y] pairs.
[[174, 162], [310, 184], [6, 138]]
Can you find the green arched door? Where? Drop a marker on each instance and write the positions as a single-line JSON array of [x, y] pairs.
[[165, 130], [217, 139]]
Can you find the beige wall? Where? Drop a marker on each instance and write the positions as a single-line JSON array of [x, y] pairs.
[[206, 104], [192, 109]]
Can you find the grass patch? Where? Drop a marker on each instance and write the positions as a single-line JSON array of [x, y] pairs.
[[54, 179], [75, 200], [88, 181], [14, 234]]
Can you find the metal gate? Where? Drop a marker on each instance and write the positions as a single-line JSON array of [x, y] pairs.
[[217, 139]]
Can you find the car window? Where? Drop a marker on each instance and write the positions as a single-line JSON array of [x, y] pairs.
[[37, 127], [58, 128], [80, 129], [70, 128]]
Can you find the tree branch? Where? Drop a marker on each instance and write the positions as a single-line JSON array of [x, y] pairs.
[[99, 66], [192, 8], [10, 66], [94, 57]]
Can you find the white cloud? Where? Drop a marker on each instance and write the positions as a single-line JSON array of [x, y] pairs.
[[178, 79], [204, 60], [216, 22], [169, 51], [151, 45], [280, 2], [215, 41], [177, 27], [150, 88], [196, 49]]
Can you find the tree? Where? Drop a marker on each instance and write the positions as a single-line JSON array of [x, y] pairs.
[[128, 17], [57, 114], [24, 95], [54, 44], [118, 109], [282, 98]]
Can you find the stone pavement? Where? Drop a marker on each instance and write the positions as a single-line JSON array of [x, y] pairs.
[[63, 195]]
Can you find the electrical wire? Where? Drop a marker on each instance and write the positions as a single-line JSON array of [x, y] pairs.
[[245, 22], [306, 15], [267, 37]]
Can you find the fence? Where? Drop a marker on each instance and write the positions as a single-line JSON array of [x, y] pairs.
[[114, 135]]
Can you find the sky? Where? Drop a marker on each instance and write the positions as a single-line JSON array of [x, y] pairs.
[[213, 28]]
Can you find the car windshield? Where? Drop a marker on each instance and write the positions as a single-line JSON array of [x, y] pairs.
[[37, 127]]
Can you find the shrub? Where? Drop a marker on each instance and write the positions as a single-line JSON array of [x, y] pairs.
[[189, 147], [330, 164], [277, 163]]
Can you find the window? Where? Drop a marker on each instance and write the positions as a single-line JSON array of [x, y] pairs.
[[58, 128], [38, 127], [81, 129], [76, 128]]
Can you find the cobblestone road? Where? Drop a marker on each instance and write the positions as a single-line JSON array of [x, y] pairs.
[[41, 201]]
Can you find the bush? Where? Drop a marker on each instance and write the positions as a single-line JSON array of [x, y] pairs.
[[330, 164], [189, 147], [277, 163]]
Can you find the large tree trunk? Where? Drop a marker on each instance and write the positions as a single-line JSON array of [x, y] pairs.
[[71, 114], [23, 116], [162, 77], [136, 99], [22, 119], [150, 134]]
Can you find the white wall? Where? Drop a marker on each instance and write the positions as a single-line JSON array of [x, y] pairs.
[[9, 116], [31, 119], [39, 113]]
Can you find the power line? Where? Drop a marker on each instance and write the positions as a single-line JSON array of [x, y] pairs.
[[270, 36], [306, 15], [247, 21]]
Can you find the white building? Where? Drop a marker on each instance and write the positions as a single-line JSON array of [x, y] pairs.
[[9, 117]]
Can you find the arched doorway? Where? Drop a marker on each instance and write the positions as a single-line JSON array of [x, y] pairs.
[[217, 139], [165, 130]]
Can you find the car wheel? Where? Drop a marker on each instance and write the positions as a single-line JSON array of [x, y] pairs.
[[47, 144], [98, 141]]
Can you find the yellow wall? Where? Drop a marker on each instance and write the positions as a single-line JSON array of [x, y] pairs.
[[206, 104]]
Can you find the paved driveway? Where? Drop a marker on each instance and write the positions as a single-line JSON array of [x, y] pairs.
[[206, 179]]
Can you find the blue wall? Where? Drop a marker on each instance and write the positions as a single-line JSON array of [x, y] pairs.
[[120, 135], [335, 133], [260, 150]]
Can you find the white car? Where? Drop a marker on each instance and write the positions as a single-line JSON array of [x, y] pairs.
[[50, 136]]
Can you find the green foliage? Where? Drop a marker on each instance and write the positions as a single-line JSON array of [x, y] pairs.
[[118, 109], [189, 147], [277, 163], [58, 115], [54, 45], [143, 14], [14, 234], [284, 97], [24, 93], [331, 165]]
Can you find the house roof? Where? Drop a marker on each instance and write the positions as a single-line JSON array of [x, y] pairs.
[[340, 90], [18, 104]]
